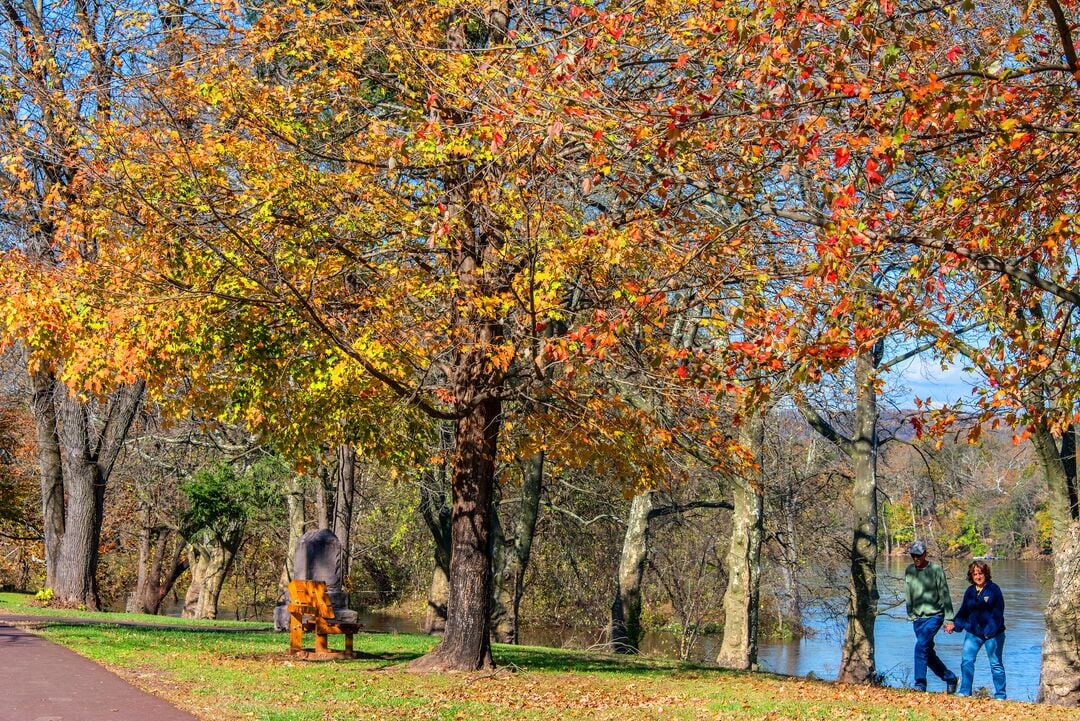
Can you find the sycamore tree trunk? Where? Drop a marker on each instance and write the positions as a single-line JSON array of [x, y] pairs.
[[738, 649], [511, 557], [294, 503], [625, 630], [213, 556], [218, 560], [466, 643], [1059, 682], [857, 657], [197, 562]]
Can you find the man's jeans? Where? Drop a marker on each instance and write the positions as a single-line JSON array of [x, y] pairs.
[[995, 646], [925, 656]]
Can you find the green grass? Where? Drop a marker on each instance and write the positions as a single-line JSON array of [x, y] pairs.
[[241, 675], [23, 604]]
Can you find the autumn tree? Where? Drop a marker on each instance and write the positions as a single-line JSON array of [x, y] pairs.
[[61, 74], [416, 191]]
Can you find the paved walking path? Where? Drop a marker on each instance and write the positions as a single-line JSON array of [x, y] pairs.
[[45, 682]]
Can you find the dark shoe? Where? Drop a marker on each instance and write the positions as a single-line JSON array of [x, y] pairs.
[[950, 687]]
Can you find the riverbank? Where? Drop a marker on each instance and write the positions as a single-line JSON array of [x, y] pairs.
[[243, 676]]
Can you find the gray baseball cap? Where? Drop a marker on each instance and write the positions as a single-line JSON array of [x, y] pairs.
[[917, 549]]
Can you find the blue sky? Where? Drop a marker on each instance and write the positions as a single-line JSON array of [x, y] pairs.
[[923, 377]]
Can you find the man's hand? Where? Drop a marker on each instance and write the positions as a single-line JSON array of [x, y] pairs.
[[949, 627]]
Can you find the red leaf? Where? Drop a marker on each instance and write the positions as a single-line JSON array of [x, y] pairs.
[[954, 52], [843, 155]]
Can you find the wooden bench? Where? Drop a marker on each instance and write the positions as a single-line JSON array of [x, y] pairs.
[[310, 610]]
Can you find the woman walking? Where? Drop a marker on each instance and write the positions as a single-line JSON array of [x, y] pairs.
[[982, 616]]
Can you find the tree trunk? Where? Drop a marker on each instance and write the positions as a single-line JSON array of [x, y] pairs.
[[294, 502], [177, 566], [76, 581], [323, 517], [738, 649], [466, 645], [217, 561], [197, 562], [86, 459], [625, 630], [343, 503], [137, 600], [437, 517], [509, 575], [857, 657], [788, 596], [1059, 682], [153, 544], [43, 409], [502, 583]]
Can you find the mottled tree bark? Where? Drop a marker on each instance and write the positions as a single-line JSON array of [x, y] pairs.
[[294, 503], [625, 628], [738, 649], [1059, 682], [857, 663]]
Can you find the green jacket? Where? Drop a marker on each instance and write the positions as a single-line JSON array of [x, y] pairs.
[[927, 592]]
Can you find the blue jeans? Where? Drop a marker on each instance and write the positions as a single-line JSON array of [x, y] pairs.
[[925, 656], [994, 648]]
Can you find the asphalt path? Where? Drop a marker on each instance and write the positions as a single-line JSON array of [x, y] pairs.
[[42, 681]]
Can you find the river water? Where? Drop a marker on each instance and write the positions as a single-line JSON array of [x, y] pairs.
[[1025, 585]]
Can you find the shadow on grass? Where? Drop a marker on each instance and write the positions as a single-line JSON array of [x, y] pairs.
[[535, 658]]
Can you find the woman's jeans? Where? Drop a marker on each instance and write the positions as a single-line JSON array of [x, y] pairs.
[[925, 630], [994, 648]]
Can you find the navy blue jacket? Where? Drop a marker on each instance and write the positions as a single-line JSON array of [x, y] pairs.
[[982, 614]]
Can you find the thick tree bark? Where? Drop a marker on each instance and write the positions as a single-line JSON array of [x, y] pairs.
[[857, 658], [512, 560], [87, 459], [76, 583], [1059, 682], [212, 558], [345, 477], [738, 649], [625, 629], [43, 409], [466, 645], [217, 561]]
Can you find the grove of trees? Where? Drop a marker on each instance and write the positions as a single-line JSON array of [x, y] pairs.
[[472, 276]]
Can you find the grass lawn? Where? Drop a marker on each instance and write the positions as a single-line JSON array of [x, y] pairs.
[[235, 676]]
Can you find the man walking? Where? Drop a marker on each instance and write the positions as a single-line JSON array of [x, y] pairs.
[[928, 608]]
